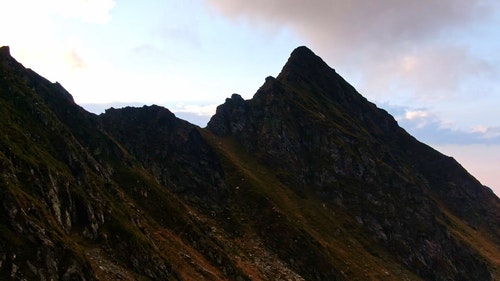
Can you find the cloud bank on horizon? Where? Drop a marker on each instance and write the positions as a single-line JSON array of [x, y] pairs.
[[432, 50]]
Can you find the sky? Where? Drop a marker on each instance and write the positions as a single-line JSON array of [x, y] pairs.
[[433, 65]]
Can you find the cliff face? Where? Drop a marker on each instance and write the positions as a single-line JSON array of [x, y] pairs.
[[305, 181], [77, 205], [172, 149], [325, 140]]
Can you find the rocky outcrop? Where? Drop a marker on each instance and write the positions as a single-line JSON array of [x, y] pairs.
[[173, 149], [323, 138], [305, 181]]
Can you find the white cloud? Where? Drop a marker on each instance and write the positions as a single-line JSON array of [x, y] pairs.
[[431, 128], [91, 11], [198, 114], [31, 13], [200, 110], [38, 36], [416, 114], [391, 24], [75, 60], [401, 48], [487, 132], [418, 117], [434, 73]]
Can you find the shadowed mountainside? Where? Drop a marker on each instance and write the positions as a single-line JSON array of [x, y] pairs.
[[305, 181]]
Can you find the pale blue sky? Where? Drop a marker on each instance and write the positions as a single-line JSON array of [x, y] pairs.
[[434, 65]]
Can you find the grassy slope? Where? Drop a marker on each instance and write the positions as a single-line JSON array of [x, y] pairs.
[[479, 239], [39, 152], [349, 249], [264, 222]]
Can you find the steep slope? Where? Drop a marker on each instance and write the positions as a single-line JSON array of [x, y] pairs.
[[172, 148], [76, 205], [305, 181], [323, 139]]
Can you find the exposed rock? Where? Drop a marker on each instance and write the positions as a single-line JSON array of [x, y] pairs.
[[322, 137], [173, 149], [305, 181]]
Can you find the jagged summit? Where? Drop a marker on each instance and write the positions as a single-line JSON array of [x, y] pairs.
[[5, 57], [4, 50], [305, 181], [304, 64], [306, 84], [322, 137], [304, 58]]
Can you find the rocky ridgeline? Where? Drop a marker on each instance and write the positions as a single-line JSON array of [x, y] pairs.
[[305, 181], [323, 137]]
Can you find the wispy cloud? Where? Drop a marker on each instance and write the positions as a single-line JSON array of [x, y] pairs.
[[201, 110], [36, 32], [416, 49], [433, 73], [92, 11], [429, 128], [391, 24], [197, 114], [75, 60], [488, 132]]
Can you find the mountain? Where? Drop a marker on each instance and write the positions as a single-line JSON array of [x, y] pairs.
[[305, 181]]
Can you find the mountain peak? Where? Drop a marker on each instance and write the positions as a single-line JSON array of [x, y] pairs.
[[303, 64], [140, 194], [4, 51], [5, 57], [302, 51]]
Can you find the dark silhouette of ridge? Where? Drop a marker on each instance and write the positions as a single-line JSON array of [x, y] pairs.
[[307, 180]]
